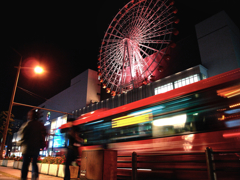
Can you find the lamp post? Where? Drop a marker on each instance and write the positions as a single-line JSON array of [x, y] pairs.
[[10, 109], [37, 70]]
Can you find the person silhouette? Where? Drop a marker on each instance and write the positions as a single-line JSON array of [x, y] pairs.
[[74, 141], [32, 135]]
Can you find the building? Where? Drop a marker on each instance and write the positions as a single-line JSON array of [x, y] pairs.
[[11, 138], [16, 149], [219, 44], [84, 90], [214, 49]]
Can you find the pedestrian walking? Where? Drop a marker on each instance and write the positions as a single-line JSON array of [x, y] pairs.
[[32, 135], [74, 142]]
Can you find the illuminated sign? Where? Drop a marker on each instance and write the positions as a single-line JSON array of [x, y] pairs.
[[48, 116], [59, 139], [131, 120], [46, 123]]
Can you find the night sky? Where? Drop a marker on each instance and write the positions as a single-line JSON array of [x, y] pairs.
[[65, 38]]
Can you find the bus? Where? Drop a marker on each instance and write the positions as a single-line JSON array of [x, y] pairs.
[[189, 118]]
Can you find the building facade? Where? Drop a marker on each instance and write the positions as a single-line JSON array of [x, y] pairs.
[[219, 44]]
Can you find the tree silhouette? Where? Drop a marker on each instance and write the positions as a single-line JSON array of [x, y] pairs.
[[3, 118]]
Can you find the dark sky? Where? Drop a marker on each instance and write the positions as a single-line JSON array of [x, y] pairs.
[[65, 37]]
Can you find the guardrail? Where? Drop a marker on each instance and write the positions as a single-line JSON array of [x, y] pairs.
[[200, 165], [223, 164]]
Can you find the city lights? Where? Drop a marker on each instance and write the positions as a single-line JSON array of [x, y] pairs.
[[176, 121], [130, 120]]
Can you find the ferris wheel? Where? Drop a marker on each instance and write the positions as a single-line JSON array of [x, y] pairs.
[[135, 44]]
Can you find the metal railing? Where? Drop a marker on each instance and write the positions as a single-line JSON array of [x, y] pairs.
[[224, 164], [204, 165]]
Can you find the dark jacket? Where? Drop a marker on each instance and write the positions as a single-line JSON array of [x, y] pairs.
[[32, 135], [74, 140]]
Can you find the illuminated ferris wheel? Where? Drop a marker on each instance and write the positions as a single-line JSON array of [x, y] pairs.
[[135, 44]]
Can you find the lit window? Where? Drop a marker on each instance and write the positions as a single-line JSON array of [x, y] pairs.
[[195, 78], [186, 81], [180, 83], [191, 79], [204, 76], [164, 88], [183, 82]]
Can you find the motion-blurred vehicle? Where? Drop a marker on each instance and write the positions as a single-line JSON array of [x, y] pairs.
[[189, 118]]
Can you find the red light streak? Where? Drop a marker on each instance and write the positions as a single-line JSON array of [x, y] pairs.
[[229, 135]]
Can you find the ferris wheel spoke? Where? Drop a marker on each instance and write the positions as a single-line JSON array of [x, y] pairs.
[[117, 55], [111, 58], [148, 14], [135, 31], [109, 51], [156, 50], [155, 41], [136, 20], [141, 9], [125, 22], [158, 34], [120, 37], [154, 13], [158, 16], [110, 46], [107, 61], [140, 23], [145, 28], [116, 76], [163, 30], [159, 24], [162, 21], [146, 54], [113, 40], [114, 66], [110, 70], [166, 24]]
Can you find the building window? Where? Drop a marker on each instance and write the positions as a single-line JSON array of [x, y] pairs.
[[164, 88], [186, 81], [204, 76]]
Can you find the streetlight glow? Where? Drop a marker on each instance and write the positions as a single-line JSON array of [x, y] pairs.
[[38, 70]]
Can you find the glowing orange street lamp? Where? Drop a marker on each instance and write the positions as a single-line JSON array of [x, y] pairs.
[[38, 70]]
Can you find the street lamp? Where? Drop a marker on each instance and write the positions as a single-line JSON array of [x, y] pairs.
[[37, 70]]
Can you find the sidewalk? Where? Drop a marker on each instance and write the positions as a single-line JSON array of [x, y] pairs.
[[7, 173]]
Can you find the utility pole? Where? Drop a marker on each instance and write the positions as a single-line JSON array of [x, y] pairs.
[[10, 110]]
